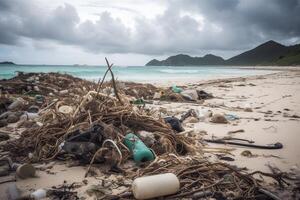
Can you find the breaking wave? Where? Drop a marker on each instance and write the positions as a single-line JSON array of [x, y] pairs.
[[179, 71]]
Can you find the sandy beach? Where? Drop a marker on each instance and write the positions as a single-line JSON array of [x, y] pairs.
[[272, 116], [272, 97]]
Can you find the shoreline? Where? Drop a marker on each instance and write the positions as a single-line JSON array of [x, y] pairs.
[[206, 80], [166, 78], [232, 79], [279, 68], [215, 80]]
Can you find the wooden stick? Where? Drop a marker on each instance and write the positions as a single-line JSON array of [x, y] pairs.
[[113, 81], [102, 81]]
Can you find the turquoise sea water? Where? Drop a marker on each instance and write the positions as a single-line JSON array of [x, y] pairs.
[[136, 73]]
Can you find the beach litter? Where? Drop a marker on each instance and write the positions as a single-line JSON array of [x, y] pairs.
[[141, 153], [176, 89], [231, 117], [190, 95], [244, 142], [148, 187], [218, 119], [236, 131], [204, 95], [175, 123], [107, 124]]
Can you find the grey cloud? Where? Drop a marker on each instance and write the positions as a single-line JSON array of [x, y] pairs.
[[262, 19], [9, 23], [62, 25], [242, 24], [21, 19], [105, 35]]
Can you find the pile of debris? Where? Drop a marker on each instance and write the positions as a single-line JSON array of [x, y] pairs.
[[75, 109], [68, 118]]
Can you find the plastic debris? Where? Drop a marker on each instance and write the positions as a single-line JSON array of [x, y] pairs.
[[203, 113], [81, 150], [175, 123], [155, 186], [190, 95], [138, 102], [219, 119], [65, 109], [17, 104], [231, 117], [33, 109], [141, 153], [63, 92], [39, 99], [204, 95], [28, 115], [157, 95], [176, 89], [39, 194]]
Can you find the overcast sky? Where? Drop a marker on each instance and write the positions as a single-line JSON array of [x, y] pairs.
[[131, 32]]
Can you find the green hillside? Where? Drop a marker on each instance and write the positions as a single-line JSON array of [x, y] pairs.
[[186, 60], [268, 53]]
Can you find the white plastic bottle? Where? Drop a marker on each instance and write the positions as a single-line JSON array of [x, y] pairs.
[[155, 186], [19, 102], [203, 113], [39, 194], [28, 115]]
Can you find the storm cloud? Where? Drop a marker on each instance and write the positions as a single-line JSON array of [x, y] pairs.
[[185, 26]]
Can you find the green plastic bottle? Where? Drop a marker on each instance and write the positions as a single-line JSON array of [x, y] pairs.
[[176, 89], [139, 102], [141, 153]]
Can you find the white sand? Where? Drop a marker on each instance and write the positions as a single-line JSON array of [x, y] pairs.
[[267, 93]]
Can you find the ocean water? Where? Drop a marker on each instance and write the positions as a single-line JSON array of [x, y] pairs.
[[136, 73]]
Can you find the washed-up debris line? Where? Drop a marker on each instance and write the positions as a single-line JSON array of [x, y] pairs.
[[65, 117], [64, 85], [87, 108]]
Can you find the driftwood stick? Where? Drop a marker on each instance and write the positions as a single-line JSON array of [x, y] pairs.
[[102, 81], [197, 190], [113, 81]]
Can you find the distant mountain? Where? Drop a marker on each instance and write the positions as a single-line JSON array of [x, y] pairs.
[[186, 60], [264, 54], [292, 57], [7, 63], [269, 53]]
